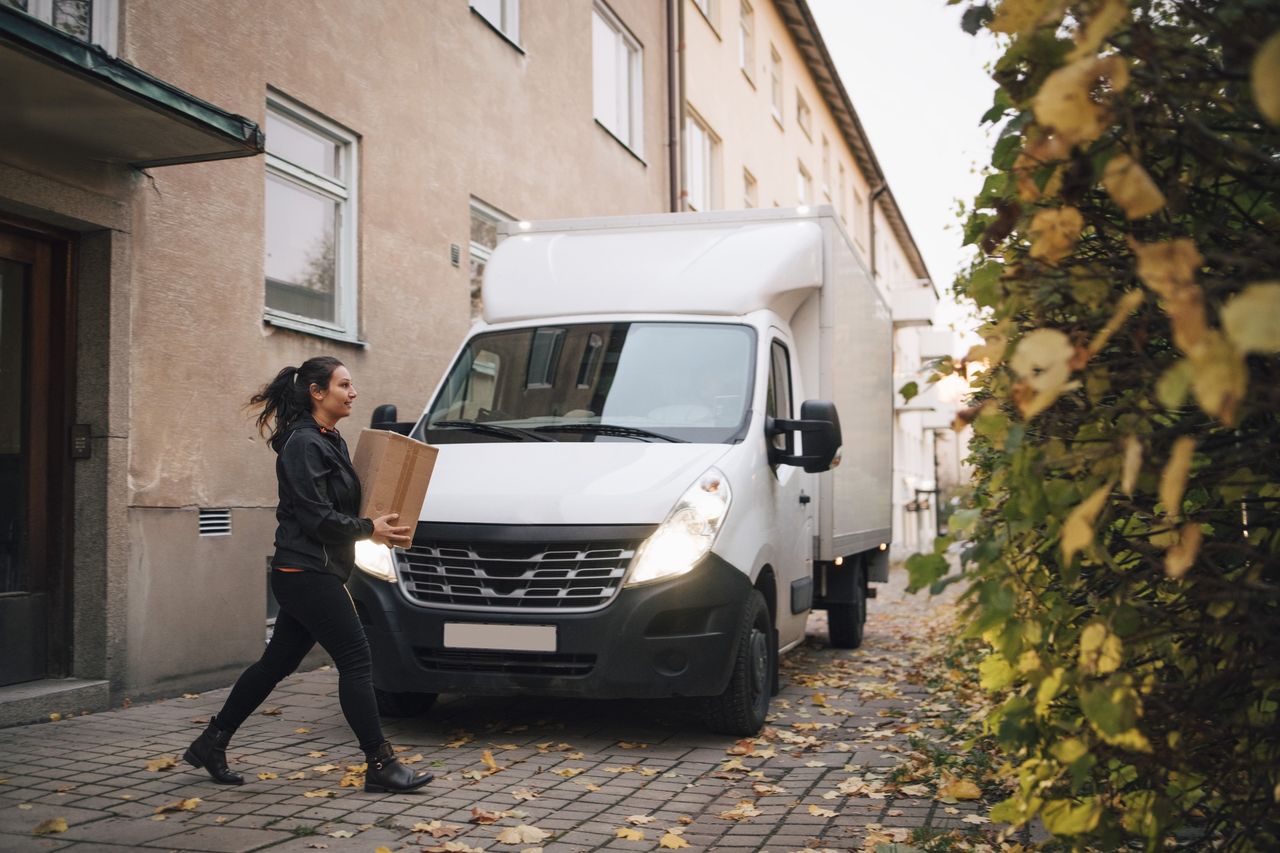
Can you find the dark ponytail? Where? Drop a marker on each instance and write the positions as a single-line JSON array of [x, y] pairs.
[[288, 397]]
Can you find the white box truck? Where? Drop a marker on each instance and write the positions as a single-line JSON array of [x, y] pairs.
[[643, 487]]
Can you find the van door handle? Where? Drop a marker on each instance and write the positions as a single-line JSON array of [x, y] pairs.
[[804, 499]]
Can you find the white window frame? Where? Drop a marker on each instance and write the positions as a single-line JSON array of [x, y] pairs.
[[508, 25], [346, 194], [776, 91], [705, 195], [747, 40], [804, 183], [750, 189], [710, 10], [630, 77], [104, 20], [826, 167], [804, 115]]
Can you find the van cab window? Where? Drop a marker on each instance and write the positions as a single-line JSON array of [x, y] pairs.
[[779, 403], [598, 382]]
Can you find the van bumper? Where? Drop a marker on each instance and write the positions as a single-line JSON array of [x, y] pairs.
[[669, 638]]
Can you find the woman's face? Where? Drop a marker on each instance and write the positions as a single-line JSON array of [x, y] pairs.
[[334, 403]]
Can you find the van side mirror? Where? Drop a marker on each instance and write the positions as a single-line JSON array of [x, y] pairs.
[[384, 417], [820, 426]]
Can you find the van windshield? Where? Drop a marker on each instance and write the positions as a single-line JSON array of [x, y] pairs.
[[598, 382]]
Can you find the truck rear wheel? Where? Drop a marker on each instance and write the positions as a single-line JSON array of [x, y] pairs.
[[845, 620], [741, 709], [393, 704]]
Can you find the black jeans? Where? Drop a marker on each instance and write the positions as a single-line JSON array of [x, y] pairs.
[[314, 608]]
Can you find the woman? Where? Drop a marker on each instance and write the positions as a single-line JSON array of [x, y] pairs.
[[315, 554]]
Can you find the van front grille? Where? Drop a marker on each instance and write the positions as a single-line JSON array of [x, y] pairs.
[[505, 663], [523, 576]]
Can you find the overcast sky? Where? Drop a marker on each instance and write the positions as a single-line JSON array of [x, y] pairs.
[[918, 84]]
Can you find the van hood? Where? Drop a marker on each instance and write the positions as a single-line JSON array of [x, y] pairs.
[[563, 482]]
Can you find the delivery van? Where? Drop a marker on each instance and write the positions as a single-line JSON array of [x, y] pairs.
[[668, 440]]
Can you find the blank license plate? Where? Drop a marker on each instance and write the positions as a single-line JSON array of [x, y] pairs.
[[519, 638]]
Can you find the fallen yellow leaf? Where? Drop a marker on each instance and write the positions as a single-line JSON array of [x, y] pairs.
[[164, 762], [671, 841], [264, 776], [818, 811], [179, 806], [50, 826], [626, 833], [521, 834]]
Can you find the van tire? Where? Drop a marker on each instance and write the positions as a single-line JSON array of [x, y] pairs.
[[741, 709], [393, 704], [845, 620]]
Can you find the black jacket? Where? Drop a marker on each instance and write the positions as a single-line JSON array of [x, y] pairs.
[[319, 501]]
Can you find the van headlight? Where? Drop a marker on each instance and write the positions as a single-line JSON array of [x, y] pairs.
[[376, 560], [688, 532]]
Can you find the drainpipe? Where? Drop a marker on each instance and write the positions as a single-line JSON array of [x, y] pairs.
[[675, 101], [871, 208]]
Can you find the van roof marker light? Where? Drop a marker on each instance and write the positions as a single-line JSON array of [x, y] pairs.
[[524, 225]]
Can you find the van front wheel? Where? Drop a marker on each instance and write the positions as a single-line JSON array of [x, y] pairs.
[[740, 710]]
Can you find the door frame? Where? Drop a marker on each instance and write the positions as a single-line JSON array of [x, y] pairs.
[[48, 415]]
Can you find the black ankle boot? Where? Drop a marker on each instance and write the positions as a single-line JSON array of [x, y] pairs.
[[385, 774], [210, 752]]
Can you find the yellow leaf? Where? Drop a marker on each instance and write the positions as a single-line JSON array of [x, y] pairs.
[[1132, 464], [1103, 22], [671, 841], [1168, 266], [1019, 16], [1219, 376], [382, 850], [321, 792], [179, 806], [522, 794], [1100, 650], [1179, 559], [50, 826], [1077, 530], [302, 730], [1066, 817], [164, 762], [55, 716], [1265, 78], [487, 758], [325, 768], [745, 809], [1054, 233], [818, 811], [569, 772], [819, 699], [994, 672], [1251, 318], [959, 789], [266, 775], [1042, 361], [1066, 102], [1173, 480], [626, 833], [1126, 306], [640, 819], [1048, 689], [1131, 187], [521, 834]]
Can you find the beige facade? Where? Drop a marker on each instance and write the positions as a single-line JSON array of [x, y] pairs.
[[443, 108], [769, 123]]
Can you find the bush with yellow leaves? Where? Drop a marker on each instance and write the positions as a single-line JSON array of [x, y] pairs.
[[1122, 543]]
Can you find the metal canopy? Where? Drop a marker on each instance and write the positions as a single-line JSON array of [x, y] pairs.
[[63, 97]]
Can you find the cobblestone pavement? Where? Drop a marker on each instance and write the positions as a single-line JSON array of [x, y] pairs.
[[821, 777]]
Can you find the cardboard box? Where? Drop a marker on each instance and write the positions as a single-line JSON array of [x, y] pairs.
[[394, 471]]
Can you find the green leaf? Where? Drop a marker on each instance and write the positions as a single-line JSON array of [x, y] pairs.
[[1174, 384], [911, 389], [995, 673], [924, 569], [1067, 817], [984, 284]]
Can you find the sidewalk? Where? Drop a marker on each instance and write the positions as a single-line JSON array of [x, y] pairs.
[[844, 764]]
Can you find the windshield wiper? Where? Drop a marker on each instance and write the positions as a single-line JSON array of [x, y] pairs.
[[609, 429], [514, 433]]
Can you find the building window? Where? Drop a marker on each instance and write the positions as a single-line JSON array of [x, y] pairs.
[[775, 83], [484, 239], [750, 189], [804, 116], [310, 221], [617, 67], [94, 21], [702, 151], [502, 15], [710, 10], [840, 201], [747, 40], [804, 185]]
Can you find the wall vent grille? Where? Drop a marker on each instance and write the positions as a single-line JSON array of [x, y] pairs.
[[215, 522]]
